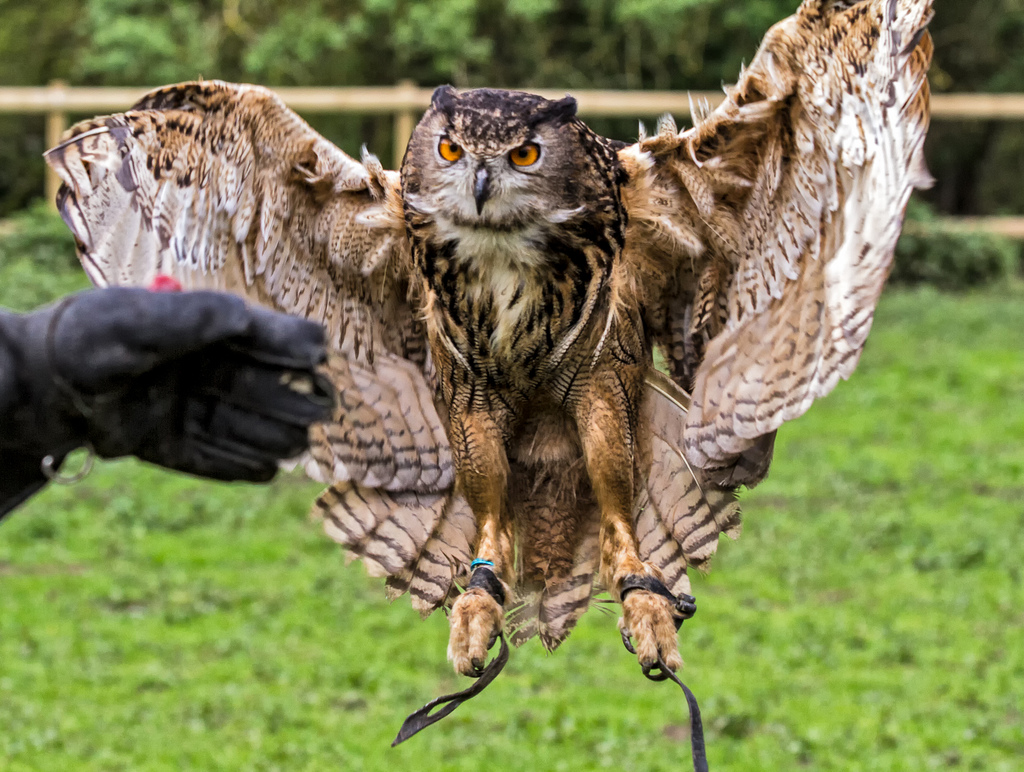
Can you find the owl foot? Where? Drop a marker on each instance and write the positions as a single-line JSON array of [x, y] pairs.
[[476, 620], [652, 615]]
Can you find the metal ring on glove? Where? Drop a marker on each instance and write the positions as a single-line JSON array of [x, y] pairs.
[[53, 473]]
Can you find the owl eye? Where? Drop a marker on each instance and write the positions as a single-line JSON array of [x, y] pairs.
[[449, 150], [525, 155]]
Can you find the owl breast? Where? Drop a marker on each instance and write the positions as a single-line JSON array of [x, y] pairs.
[[509, 305], [504, 273]]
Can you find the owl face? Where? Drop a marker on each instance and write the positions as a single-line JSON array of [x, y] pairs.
[[494, 159]]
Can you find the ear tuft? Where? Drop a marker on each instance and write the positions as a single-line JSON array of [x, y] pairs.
[[443, 100], [563, 110]]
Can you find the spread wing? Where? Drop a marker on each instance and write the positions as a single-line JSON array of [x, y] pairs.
[[223, 187], [763, 236]]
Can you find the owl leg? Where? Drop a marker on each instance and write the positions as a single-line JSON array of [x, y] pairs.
[[607, 435], [482, 469]]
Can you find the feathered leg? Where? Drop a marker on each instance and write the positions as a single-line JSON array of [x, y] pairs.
[[482, 473], [607, 425]]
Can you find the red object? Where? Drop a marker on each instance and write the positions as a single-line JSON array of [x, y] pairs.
[[165, 283]]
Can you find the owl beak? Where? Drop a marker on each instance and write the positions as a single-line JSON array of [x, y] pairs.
[[481, 188]]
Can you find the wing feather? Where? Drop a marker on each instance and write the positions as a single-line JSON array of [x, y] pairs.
[[681, 512], [795, 188], [223, 187]]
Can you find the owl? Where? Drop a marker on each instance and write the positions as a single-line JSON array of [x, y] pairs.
[[503, 446]]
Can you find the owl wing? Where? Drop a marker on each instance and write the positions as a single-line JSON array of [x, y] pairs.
[[221, 186], [762, 237]]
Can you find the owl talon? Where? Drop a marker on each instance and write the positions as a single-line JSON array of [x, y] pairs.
[[476, 620], [659, 671], [651, 616], [656, 672], [626, 637]]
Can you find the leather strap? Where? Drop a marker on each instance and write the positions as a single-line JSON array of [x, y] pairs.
[[698, 750], [423, 717], [484, 578], [683, 608]]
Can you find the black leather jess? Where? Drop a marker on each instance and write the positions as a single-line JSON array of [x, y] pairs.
[[683, 608], [484, 578]]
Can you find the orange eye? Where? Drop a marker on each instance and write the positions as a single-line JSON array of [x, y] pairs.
[[525, 155], [449, 150]]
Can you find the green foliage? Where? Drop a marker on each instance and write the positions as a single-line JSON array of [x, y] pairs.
[[869, 619], [293, 48], [21, 161], [37, 260], [679, 43], [570, 44], [1001, 170], [944, 255], [147, 41], [540, 43]]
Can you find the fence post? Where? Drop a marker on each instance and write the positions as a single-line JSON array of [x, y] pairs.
[[405, 121], [56, 125]]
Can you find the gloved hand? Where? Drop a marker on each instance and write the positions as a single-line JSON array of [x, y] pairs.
[[197, 381]]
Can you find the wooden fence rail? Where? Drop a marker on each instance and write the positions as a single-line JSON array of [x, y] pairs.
[[406, 101]]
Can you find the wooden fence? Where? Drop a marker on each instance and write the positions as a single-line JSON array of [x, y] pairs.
[[405, 102]]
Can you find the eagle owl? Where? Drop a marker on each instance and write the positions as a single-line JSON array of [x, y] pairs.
[[503, 446]]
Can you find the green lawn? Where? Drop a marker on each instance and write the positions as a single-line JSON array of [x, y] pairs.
[[871, 617]]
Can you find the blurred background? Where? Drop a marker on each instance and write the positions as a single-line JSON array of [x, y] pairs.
[[568, 45], [870, 618]]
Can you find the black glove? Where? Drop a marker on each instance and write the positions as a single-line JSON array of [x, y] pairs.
[[198, 382]]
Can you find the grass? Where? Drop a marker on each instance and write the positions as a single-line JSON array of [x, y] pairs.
[[870, 618], [37, 259]]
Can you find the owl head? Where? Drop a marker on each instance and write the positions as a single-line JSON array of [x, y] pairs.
[[494, 158]]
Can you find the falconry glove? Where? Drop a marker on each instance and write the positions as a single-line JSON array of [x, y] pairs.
[[198, 382]]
